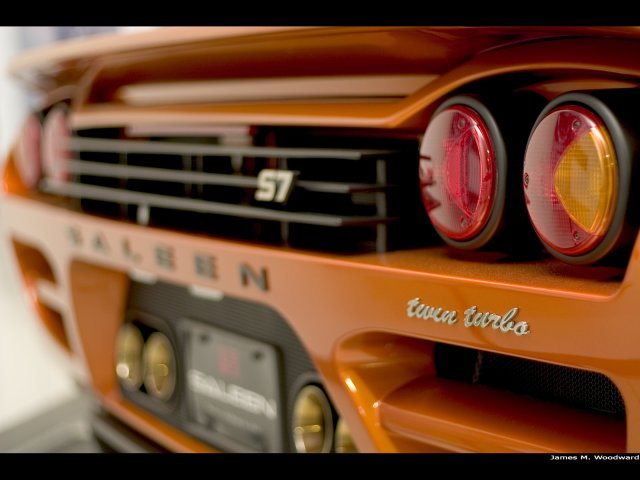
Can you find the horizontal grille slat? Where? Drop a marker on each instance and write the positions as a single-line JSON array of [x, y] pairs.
[[82, 167], [151, 200], [134, 146], [331, 189]]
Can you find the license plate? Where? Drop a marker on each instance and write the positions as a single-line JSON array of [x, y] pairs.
[[232, 388]]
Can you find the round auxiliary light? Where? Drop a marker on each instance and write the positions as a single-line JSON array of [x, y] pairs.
[[463, 173], [27, 159], [159, 366], [575, 178], [56, 139], [312, 421], [129, 346]]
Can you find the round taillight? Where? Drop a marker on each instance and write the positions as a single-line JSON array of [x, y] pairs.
[[463, 173], [573, 184], [27, 158], [56, 138]]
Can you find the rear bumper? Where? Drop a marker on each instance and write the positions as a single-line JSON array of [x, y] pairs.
[[353, 316]]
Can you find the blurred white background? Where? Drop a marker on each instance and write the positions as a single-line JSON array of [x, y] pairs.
[[31, 378]]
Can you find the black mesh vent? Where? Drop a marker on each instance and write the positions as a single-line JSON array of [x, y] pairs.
[[569, 386]]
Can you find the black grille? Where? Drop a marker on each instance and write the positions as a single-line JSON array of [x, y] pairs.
[[350, 192], [566, 385]]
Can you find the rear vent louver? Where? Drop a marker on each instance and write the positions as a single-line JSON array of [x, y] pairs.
[[320, 192], [569, 386]]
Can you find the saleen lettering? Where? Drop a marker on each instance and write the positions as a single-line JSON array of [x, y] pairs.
[[472, 317], [164, 257], [232, 394]]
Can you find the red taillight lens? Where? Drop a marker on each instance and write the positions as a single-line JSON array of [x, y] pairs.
[[55, 144], [459, 176], [27, 158], [571, 182]]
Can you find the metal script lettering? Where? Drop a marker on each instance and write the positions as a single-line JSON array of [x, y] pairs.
[[472, 317], [425, 312]]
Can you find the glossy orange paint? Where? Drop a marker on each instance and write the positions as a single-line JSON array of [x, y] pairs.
[[350, 311]]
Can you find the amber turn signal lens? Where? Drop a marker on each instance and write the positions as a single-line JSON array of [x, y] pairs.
[[571, 180]]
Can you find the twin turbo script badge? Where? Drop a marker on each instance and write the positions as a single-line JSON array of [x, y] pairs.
[[472, 317]]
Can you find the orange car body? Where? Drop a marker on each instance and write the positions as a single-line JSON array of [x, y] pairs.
[[360, 316]]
